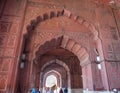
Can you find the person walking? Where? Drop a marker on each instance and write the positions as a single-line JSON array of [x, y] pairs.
[[65, 90], [61, 91]]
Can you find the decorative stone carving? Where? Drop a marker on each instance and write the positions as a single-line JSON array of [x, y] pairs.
[[11, 41], [109, 51], [4, 27], [114, 33], [111, 56], [6, 65], [110, 48], [44, 5], [3, 81], [41, 37], [9, 52], [116, 47], [2, 40]]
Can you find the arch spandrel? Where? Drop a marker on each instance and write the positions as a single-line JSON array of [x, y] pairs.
[[48, 36]]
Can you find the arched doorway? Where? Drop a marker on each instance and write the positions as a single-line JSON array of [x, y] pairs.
[[48, 40], [60, 70], [62, 61], [52, 82]]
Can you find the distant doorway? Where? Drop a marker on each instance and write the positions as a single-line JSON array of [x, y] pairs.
[[51, 84], [51, 80]]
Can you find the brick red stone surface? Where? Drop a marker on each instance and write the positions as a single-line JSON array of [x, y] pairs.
[[59, 29]]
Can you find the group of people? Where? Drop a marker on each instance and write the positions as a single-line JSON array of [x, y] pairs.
[[49, 90]]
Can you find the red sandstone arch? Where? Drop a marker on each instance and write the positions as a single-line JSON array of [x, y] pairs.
[[79, 20], [68, 43], [75, 48], [52, 72], [60, 63], [66, 13], [72, 46]]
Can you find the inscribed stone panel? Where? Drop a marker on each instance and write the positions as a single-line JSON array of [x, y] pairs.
[[109, 51], [114, 33]]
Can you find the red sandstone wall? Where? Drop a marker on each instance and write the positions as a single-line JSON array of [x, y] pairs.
[[11, 13], [11, 16]]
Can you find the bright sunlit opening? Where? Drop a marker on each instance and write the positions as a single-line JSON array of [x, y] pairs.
[[51, 81]]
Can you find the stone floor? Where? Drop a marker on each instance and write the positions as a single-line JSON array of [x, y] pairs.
[[85, 91]]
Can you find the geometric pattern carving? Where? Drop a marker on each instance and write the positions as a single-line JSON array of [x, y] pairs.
[[4, 27], [9, 52], [3, 81], [11, 41], [111, 56], [109, 51], [2, 40], [5, 66], [114, 33], [110, 48]]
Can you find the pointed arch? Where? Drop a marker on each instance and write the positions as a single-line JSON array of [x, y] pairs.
[[68, 44], [64, 12], [61, 63]]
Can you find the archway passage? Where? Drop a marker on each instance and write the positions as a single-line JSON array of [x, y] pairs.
[[64, 65], [46, 44], [51, 80]]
